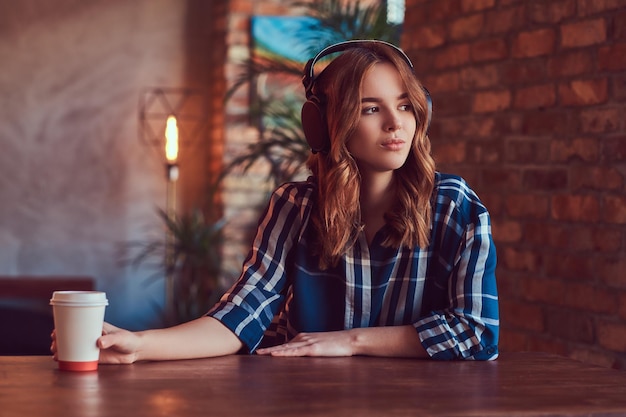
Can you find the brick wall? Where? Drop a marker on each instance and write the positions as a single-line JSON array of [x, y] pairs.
[[529, 108], [244, 195]]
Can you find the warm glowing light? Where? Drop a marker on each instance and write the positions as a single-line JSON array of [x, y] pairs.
[[171, 139]]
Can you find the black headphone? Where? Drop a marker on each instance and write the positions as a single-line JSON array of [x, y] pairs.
[[313, 114]]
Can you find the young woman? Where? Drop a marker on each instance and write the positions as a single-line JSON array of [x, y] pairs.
[[375, 254]]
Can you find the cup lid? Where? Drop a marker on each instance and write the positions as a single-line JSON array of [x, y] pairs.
[[79, 298]]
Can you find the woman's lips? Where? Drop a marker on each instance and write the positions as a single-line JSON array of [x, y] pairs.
[[393, 144]]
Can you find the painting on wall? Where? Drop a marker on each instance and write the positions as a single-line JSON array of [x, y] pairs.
[[288, 40]]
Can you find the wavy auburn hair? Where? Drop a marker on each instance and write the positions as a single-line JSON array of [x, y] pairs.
[[337, 215]]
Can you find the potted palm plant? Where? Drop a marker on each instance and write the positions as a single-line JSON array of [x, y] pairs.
[[189, 255]]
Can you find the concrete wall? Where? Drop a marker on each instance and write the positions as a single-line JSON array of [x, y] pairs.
[[75, 180]]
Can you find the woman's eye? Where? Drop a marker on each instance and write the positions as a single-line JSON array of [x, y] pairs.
[[405, 107], [369, 110]]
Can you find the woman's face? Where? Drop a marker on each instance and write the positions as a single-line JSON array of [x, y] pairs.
[[384, 134]]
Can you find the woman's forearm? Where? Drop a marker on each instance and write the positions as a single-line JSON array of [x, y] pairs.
[[397, 341], [199, 338]]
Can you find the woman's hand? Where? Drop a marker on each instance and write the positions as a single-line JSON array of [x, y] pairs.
[[339, 343], [116, 345], [392, 341]]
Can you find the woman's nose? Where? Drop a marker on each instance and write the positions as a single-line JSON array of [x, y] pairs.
[[393, 122]]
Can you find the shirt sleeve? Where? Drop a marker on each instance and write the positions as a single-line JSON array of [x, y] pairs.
[[468, 327], [249, 306]]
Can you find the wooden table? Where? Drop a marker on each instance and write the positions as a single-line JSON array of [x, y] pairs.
[[517, 384]]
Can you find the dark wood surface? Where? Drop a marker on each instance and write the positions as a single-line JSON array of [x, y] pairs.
[[517, 384]]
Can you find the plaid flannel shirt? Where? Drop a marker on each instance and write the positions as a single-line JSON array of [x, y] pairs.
[[446, 291]]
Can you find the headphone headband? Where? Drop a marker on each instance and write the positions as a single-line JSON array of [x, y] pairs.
[[309, 70]]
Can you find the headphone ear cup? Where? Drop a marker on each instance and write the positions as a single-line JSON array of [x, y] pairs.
[[314, 126]]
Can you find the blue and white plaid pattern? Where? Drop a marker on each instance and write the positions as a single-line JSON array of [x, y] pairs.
[[447, 291]]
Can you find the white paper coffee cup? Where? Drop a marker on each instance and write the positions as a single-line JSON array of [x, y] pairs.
[[78, 320]]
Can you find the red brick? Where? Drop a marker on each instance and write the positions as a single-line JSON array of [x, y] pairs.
[[548, 344], [588, 297], [521, 315], [507, 231], [545, 179], [612, 335], [501, 178], [534, 43], [504, 20], [449, 153], [430, 36], [622, 304], [619, 87], [485, 152], [593, 357], [241, 7], [512, 340], [527, 206], [544, 290], [452, 56], [587, 7], [493, 201], [524, 151], [476, 5], [538, 96], [491, 101], [270, 8], [611, 271], [583, 92], [571, 207], [417, 14], [585, 33], [605, 240], [488, 50], [612, 57], [566, 325], [572, 267], [453, 104], [615, 149], [444, 9], [599, 120], [466, 27], [526, 71], [507, 123], [619, 25], [479, 77], [508, 284], [551, 11], [547, 235], [581, 149], [590, 238], [443, 81], [457, 127], [596, 178], [521, 260], [614, 208], [540, 122], [572, 63]]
